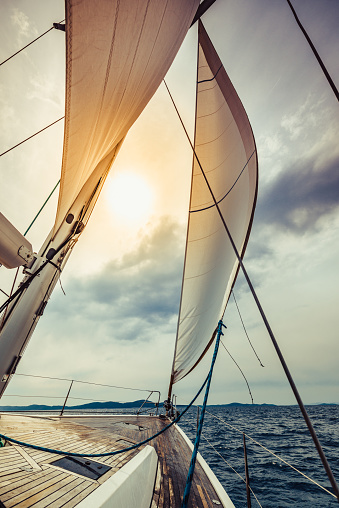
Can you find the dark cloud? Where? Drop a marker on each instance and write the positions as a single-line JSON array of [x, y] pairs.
[[298, 198], [135, 293]]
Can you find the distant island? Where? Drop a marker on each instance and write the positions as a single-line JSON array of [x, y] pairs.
[[90, 405], [135, 404]]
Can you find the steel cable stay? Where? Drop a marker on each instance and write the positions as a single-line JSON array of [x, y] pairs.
[[243, 325], [29, 44], [267, 450], [262, 313], [25, 233], [315, 52], [243, 375], [32, 136], [229, 465], [86, 382], [116, 452]]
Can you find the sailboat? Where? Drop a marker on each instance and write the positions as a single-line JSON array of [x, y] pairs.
[[102, 103]]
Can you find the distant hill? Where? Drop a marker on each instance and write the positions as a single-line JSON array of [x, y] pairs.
[[134, 404], [91, 405], [240, 404]]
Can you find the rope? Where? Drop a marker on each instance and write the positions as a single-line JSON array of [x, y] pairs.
[[243, 375], [32, 136], [201, 421], [243, 325], [272, 453], [229, 465], [21, 288], [25, 285], [116, 452], [49, 30], [264, 318], [25, 233]]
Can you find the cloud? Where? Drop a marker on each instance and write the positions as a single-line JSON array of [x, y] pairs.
[[23, 25], [299, 197], [130, 296]]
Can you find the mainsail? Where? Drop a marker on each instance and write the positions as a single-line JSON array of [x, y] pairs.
[[117, 53], [225, 150]]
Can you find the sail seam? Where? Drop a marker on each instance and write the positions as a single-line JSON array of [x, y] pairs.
[[227, 193]]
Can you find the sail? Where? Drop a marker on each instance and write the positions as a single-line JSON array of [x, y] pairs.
[[225, 148], [117, 53]]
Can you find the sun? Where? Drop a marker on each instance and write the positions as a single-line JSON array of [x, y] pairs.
[[130, 197]]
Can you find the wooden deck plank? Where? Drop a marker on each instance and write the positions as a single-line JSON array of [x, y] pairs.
[[10, 478], [20, 481], [76, 499], [95, 435], [45, 496], [68, 491], [28, 489]]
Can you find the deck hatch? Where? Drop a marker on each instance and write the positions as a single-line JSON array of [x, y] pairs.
[[82, 466]]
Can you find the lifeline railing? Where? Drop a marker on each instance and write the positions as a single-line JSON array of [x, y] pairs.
[[249, 490], [65, 399]]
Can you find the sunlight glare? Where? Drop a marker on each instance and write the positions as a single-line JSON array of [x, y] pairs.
[[130, 197]]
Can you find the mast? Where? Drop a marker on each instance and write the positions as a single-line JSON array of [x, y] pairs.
[[120, 71]]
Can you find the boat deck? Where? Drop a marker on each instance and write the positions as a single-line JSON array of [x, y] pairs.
[[28, 479]]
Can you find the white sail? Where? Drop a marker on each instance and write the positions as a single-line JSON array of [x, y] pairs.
[[117, 53], [225, 148]]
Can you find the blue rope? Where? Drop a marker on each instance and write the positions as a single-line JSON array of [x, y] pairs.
[[116, 452], [201, 421]]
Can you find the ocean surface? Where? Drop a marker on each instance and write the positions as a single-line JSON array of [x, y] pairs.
[[282, 430]]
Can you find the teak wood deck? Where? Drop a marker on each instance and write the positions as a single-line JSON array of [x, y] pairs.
[[27, 478]]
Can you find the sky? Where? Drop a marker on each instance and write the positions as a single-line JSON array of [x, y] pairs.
[[117, 323]]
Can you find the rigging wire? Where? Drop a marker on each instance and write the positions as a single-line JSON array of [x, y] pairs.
[[32, 136], [315, 52], [39, 37], [243, 324], [201, 421], [272, 453], [229, 465], [116, 452], [9, 296], [17, 271], [37, 215], [243, 375], [264, 318], [24, 285], [85, 382]]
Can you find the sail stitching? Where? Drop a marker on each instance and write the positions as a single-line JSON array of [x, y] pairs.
[[108, 69], [218, 137], [67, 102], [135, 53]]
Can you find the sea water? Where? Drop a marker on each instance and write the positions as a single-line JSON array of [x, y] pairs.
[[280, 429], [283, 431]]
